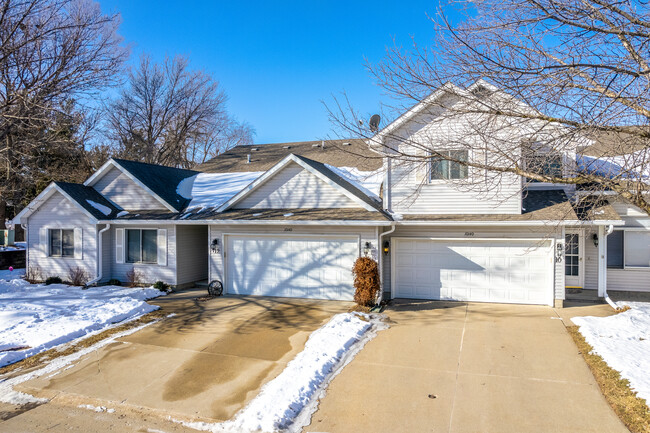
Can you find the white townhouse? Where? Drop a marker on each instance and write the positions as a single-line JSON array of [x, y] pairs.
[[290, 219]]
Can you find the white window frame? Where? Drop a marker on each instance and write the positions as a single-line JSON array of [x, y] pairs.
[[443, 180], [49, 243], [126, 246], [625, 232]]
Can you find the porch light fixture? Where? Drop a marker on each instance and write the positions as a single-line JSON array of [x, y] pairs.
[[215, 245], [595, 239], [366, 249], [386, 247]]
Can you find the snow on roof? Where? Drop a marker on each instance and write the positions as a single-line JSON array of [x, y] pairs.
[[630, 166], [211, 190], [100, 207], [369, 182]]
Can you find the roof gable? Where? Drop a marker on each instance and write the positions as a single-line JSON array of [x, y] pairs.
[[324, 175], [159, 181], [89, 201]]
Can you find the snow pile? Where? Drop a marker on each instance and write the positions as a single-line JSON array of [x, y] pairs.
[[369, 182], [211, 190], [100, 207], [288, 401], [623, 340], [35, 317], [7, 275], [96, 408]]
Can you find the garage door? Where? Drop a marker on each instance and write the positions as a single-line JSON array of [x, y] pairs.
[[297, 267], [512, 271]]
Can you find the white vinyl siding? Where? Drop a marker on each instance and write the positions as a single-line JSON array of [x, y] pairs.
[[151, 272], [123, 191], [412, 192], [59, 213], [294, 187], [192, 253], [619, 279]]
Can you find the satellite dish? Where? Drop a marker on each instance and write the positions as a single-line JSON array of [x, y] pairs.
[[374, 122]]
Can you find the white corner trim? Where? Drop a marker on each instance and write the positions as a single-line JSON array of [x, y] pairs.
[[277, 168], [112, 163]]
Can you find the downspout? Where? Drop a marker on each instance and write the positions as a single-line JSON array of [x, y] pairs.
[[100, 267], [613, 304], [381, 261], [24, 226]]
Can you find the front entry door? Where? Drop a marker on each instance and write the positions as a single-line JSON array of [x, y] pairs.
[[573, 246]]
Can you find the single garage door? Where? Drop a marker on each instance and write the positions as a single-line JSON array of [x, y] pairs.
[[512, 271], [291, 266]]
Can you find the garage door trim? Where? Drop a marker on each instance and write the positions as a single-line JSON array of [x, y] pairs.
[[282, 235], [551, 269]]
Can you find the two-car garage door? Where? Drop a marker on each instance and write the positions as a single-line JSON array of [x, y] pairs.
[[318, 267], [510, 271]]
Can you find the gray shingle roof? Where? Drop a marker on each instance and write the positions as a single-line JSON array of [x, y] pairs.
[[160, 179], [265, 156], [82, 194]]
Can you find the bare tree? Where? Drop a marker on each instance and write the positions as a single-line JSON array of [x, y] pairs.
[[53, 54], [550, 90], [170, 115]]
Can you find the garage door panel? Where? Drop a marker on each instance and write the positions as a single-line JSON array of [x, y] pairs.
[[481, 270], [319, 268]]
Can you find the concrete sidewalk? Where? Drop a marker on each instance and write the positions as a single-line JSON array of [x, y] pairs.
[[456, 367], [205, 362]]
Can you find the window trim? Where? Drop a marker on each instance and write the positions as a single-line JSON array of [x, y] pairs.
[[445, 180], [49, 243], [126, 246], [625, 266]]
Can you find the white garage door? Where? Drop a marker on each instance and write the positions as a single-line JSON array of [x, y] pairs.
[[297, 267], [512, 271]]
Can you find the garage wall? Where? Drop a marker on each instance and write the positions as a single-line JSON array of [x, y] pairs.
[[192, 247], [468, 232], [367, 234]]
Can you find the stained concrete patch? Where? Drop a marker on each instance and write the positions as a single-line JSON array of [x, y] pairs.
[[208, 360]]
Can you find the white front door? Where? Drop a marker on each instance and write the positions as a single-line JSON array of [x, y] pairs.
[[318, 267], [500, 270], [573, 251]]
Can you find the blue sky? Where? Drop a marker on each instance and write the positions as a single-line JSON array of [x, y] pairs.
[[277, 60]]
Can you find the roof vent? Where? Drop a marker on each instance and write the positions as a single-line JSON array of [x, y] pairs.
[[322, 144], [255, 149], [315, 145], [248, 158], [346, 143], [286, 147]]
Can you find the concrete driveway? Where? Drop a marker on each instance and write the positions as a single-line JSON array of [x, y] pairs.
[[206, 362], [457, 367]]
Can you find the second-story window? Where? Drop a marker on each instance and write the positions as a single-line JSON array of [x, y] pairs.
[[547, 164], [452, 168]]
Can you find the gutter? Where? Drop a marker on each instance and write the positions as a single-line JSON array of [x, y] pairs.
[[381, 261], [100, 266]]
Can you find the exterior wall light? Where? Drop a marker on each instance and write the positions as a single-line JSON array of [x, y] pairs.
[[386, 247], [215, 245], [366, 249], [595, 239]]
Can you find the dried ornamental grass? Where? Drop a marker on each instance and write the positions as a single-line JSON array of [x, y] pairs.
[[366, 281]]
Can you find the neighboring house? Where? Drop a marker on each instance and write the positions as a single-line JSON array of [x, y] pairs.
[[290, 219]]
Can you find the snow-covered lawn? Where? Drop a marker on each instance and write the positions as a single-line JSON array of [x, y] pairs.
[[36, 317], [623, 341], [11, 275], [288, 401]]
